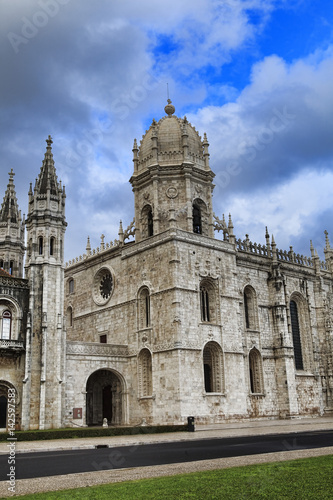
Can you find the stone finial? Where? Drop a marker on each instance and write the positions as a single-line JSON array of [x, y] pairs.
[[135, 155], [205, 145], [102, 242], [169, 108], [316, 261], [49, 141], [327, 241], [268, 244], [230, 226], [328, 252], [311, 249], [274, 254], [232, 238], [121, 233], [88, 247]]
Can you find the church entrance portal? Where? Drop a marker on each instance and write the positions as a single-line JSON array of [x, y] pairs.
[[104, 398]]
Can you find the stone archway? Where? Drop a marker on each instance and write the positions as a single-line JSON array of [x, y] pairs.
[[104, 398]]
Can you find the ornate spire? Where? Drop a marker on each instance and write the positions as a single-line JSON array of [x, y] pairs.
[[12, 245], [9, 212], [47, 180]]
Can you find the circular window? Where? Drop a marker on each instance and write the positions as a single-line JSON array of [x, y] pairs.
[[103, 286]]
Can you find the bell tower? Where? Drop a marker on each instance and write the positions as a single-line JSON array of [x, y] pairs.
[[11, 232], [172, 179], [44, 267]]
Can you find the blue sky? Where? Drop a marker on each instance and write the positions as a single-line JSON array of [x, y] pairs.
[[255, 75]]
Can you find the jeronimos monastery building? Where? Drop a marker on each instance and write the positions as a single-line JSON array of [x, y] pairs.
[[167, 321]]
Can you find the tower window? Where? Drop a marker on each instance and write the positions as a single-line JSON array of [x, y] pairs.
[[40, 245], [197, 226], [144, 308], [11, 267], [52, 240], [6, 325], [250, 308], [296, 335], [204, 296], [150, 223], [1, 264], [208, 301], [147, 221]]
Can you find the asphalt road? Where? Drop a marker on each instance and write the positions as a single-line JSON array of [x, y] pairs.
[[42, 464]]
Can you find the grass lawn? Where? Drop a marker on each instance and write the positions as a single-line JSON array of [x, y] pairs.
[[295, 479]]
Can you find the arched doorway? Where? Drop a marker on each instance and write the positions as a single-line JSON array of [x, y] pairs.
[[104, 398]]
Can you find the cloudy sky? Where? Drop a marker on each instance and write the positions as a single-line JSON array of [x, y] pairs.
[[256, 75]]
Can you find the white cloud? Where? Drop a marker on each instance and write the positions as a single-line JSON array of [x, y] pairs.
[[272, 149], [284, 208]]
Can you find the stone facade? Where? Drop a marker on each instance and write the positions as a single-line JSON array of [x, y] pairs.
[[167, 321]]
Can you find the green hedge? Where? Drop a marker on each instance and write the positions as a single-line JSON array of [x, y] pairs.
[[72, 433]]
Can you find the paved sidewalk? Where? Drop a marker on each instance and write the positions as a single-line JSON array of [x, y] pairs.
[[54, 483]]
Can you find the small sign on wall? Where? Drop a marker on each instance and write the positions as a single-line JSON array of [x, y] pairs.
[[77, 412]]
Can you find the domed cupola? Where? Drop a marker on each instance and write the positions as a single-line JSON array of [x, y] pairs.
[[172, 180], [172, 140]]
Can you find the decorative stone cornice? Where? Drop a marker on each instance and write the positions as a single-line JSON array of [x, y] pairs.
[[95, 349]]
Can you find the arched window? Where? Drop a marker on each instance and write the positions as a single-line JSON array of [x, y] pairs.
[[69, 316], [147, 221], [52, 243], [144, 308], [255, 365], [145, 373], [296, 333], [6, 325], [250, 308], [213, 367], [71, 285], [204, 297], [197, 223], [208, 302], [40, 245], [150, 223]]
